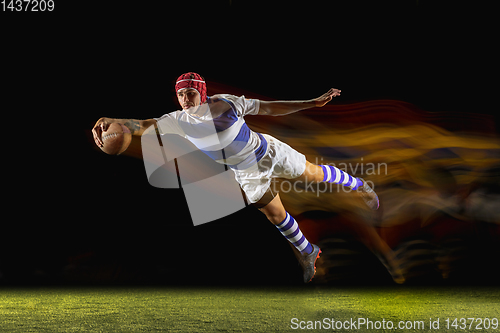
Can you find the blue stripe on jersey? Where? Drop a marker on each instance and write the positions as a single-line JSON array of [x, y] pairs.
[[254, 157], [225, 120], [261, 151], [231, 104], [234, 147]]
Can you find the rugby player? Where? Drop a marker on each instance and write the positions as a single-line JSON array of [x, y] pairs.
[[255, 158]]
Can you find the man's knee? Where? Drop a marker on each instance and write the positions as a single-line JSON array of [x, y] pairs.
[[272, 208], [276, 218], [313, 173], [274, 213]]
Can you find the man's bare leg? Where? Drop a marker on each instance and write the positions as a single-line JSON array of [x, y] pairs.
[[316, 173], [366, 233], [275, 212]]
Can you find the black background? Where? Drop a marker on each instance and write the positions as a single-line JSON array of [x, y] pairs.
[[63, 70]]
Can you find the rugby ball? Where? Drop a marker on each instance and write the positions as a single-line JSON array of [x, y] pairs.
[[116, 139]]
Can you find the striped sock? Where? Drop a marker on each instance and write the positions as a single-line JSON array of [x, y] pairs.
[[337, 176], [290, 229]]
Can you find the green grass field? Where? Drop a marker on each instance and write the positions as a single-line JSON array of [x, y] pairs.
[[240, 310]]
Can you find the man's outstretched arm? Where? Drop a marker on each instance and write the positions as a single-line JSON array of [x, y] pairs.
[[281, 108], [136, 127]]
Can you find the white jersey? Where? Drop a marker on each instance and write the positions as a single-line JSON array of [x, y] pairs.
[[218, 129]]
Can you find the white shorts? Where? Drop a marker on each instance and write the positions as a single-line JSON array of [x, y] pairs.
[[280, 161]]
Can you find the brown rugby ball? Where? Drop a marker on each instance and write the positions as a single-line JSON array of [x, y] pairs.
[[116, 139]]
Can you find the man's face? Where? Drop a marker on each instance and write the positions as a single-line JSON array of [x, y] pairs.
[[188, 98]]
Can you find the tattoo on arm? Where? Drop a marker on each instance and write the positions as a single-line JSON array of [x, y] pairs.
[[133, 125]]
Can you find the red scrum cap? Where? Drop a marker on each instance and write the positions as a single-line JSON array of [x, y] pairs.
[[192, 80]]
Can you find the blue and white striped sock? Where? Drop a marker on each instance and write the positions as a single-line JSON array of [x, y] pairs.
[[337, 176], [290, 229]]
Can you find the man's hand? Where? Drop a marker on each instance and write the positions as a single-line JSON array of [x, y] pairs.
[[101, 126], [136, 127], [325, 98]]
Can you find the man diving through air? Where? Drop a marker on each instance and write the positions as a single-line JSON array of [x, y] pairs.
[[216, 126]]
